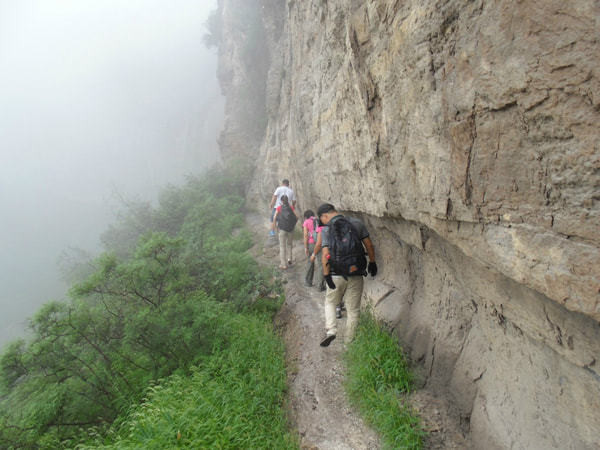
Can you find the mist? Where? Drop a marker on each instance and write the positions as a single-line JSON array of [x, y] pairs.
[[97, 98]]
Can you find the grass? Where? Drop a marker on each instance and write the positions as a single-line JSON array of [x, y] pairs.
[[377, 383], [233, 401]]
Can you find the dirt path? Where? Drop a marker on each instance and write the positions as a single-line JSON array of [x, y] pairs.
[[318, 406], [319, 409]]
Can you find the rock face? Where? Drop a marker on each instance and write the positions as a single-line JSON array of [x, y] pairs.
[[466, 134]]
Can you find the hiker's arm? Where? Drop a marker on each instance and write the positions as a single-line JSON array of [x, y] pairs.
[[305, 240], [273, 200], [326, 272], [317, 248], [274, 221], [372, 266], [325, 260], [370, 249]]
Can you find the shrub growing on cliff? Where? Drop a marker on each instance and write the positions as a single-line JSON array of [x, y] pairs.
[[232, 401]]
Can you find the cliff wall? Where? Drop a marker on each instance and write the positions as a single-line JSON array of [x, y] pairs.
[[465, 134]]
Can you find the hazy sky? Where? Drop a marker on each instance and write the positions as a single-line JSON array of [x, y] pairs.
[[96, 96]]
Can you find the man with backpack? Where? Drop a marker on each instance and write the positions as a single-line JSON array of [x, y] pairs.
[[344, 241], [282, 190], [285, 218]]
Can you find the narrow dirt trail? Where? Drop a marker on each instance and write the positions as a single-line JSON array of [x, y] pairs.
[[318, 406]]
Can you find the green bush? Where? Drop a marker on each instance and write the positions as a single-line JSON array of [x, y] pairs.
[[162, 302], [232, 401], [378, 380]]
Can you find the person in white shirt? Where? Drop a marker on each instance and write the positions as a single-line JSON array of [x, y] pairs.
[[282, 190]]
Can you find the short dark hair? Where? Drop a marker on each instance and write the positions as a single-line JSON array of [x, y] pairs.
[[325, 208], [286, 182], [284, 199], [308, 213]]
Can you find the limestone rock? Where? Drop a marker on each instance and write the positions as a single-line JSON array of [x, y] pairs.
[[465, 133]]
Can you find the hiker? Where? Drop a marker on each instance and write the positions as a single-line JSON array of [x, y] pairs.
[[311, 230], [285, 218], [282, 190], [316, 257], [344, 265]]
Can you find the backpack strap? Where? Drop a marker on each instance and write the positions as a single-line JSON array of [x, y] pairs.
[[334, 218]]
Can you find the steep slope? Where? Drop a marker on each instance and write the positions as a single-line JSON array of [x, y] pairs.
[[465, 134]]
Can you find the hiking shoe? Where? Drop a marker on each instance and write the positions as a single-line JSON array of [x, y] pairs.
[[327, 340], [289, 262], [271, 233], [338, 312]]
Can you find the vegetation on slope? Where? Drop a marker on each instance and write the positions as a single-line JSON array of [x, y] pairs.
[[377, 381], [231, 401], [175, 303]]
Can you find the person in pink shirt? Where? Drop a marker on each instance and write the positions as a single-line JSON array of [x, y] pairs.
[[311, 230]]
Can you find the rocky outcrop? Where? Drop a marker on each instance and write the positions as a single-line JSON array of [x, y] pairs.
[[465, 133], [243, 66]]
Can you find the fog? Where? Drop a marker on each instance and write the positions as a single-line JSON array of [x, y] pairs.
[[97, 97]]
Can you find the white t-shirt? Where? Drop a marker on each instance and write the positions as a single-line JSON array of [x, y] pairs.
[[284, 190]]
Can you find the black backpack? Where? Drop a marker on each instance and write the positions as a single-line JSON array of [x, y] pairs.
[[286, 218], [347, 254]]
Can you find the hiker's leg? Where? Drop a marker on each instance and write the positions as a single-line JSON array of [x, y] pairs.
[[320, 281], [271, 232], [282, 239], [286, 237], [332, 298], [310, 267], [290, 235], [352, 300]]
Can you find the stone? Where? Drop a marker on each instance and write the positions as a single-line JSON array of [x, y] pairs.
[[465, 134]]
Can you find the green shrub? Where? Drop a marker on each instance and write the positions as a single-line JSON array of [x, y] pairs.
[[377, 382], [161, 300], [232, 401]]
